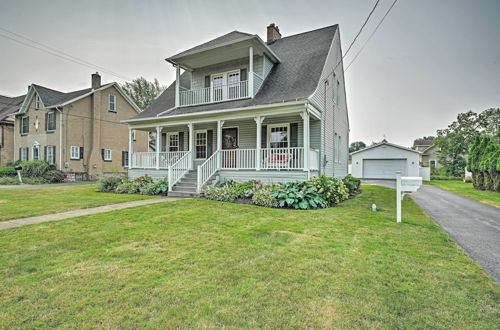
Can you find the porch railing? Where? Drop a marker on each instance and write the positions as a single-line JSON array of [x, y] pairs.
[[282, 158], [149, 159], [213, 94], [207, 169], [178, 169], [238, 159]]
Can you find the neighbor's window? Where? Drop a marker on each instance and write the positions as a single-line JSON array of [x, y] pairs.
[[75, 152], [107, 154], [50, 121], [112, 103], [50, 155], [23, 154], [201, 144], [36, 153], [433, 163], [37, 102], [173, 141], [278, 135], [25, 128]]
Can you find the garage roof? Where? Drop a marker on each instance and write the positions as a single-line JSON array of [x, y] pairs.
[[387, 144]]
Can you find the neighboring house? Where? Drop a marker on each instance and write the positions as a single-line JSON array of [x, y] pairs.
[[248, 109], [383, 160], [80, 132], [429, 150], [8, 106]]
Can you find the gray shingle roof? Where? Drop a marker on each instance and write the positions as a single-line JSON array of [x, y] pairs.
[[51, 97], [9, 105], [295, 78]]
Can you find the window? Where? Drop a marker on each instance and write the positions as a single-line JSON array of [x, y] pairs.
[[112, 103], [50, 154], [201, 144], [50, 121], [23, 154], [25, 126], [173, 141], [37, 102], [75, 152], [107, 155], [133, 135], [433, 163], [277, 135], [124, 158], [36, 153]]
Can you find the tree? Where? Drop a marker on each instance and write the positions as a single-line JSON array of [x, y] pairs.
[[357, 145], [422, 141], [455, 140], [142, 91]]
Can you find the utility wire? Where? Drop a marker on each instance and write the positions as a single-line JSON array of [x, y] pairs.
[[371, 35], [58, 53]]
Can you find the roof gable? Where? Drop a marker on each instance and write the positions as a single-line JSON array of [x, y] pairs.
[[10, 105], [386, 144]]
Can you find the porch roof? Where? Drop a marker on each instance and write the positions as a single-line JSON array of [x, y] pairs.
[[302, 57]]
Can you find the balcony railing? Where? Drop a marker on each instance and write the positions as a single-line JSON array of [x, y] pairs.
[[214, 94]]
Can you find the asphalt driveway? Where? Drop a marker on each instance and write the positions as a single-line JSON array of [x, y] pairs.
[[475, 226]]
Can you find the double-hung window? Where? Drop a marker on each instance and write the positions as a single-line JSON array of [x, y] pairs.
[[107, 155], [173, 141], [75, 152], [35, 153], [23, 154], [278, 135], [50, 121], [25, 125], [201, 144], [112, 103], [37, 102], [50, 154]]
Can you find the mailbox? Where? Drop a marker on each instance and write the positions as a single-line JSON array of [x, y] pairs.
[[410, 183]]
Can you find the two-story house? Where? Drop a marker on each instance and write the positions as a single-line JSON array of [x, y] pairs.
[[80, 132], [8, 106], [241, 108]]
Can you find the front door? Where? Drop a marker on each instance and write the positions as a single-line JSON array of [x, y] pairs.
[[230, 144]]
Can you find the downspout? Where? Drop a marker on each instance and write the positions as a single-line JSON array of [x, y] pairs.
[[61, 148]]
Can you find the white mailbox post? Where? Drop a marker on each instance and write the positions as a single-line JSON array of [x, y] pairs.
[[405, 185]]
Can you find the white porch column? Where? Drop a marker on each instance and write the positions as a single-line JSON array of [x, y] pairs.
[[177, 85], [305, 118], [220, 123], [258, 121], [158, 146], [190, 142], [130, 147], [250, 72]]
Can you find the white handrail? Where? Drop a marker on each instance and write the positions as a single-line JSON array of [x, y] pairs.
[[212, 94], [206, 170], [178, 169]]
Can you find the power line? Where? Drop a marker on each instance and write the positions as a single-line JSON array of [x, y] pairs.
[[59, 53], [371, 35]]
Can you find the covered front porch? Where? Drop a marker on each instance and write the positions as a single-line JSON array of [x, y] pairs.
[[269, 147]]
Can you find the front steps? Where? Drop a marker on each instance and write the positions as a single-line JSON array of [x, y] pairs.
[[186, 187]]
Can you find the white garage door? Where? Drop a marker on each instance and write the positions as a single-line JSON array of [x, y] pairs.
[[383, 168]]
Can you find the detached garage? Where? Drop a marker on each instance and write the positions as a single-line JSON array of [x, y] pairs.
[[383, 160]]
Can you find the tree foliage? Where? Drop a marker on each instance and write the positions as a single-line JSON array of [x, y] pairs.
[[357, 145], [142, 91], [484, 163], [455, 140]]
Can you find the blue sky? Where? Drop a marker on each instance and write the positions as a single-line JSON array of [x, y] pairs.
[[429, 61]]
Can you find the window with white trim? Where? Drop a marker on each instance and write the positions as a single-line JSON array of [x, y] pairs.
[[112, 103], [23, 154], [278, 135], [50, 125], [75, 152], [173, 141], [37, 102], [35, 155], [201, 144], [107, 154], [50, 156], [25, 125]]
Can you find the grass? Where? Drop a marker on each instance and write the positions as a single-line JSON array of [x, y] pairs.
[[27, 202], [204, 264], [467, 190]]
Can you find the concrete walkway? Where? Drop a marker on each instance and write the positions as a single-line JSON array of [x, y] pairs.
[[77, 213], [8, 186], [474, 226]]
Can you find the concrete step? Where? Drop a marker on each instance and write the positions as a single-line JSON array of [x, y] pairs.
[[184, 189], [182, 194]]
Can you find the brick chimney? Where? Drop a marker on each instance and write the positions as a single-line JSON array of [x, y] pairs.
[[273, 33], [96, 80]]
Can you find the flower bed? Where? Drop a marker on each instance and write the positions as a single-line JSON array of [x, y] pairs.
[[318, 192], [143, 185]]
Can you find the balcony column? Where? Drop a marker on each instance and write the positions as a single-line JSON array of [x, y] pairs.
[[158, 146], [130, 147], [177, 85], [305, 118], [190, 142], [258, 121], [220, 123], [250, 72]]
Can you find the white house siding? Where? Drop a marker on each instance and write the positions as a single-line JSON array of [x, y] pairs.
[[386, 152], [266, 67], [334, 116], [267, 177]]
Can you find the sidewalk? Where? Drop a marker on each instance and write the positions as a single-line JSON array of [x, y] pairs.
[[76, 213], [45, 184]]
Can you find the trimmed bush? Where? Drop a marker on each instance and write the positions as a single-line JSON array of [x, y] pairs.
[[109, 183], [7, 171], [333, 190], [264, 197], [8, 180], [224, 193], [54, 176], [123, 188], [352, 184], [35, 168], [36, 180]]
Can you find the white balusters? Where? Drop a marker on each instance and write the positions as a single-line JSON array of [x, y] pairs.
[[178, 169], [207, 169], [214, 94]]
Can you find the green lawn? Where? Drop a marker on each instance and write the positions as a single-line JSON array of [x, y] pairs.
[[205, 264], [467, 190], [26, 202]]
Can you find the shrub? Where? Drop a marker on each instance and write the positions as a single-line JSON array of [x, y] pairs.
[[447, 178], [8, 180], [123, 187], [332, 190], [264, 197], [36, 180], [35, 168], [223, 194], [160, 187], [7, 171], [352, 184], [301, 195], [109, 184], [147, 189], [54, 176]]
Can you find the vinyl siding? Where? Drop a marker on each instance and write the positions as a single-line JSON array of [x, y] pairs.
[[155, 174], [267, 177]]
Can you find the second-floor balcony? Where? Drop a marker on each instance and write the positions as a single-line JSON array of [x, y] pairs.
[[212, 94]]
